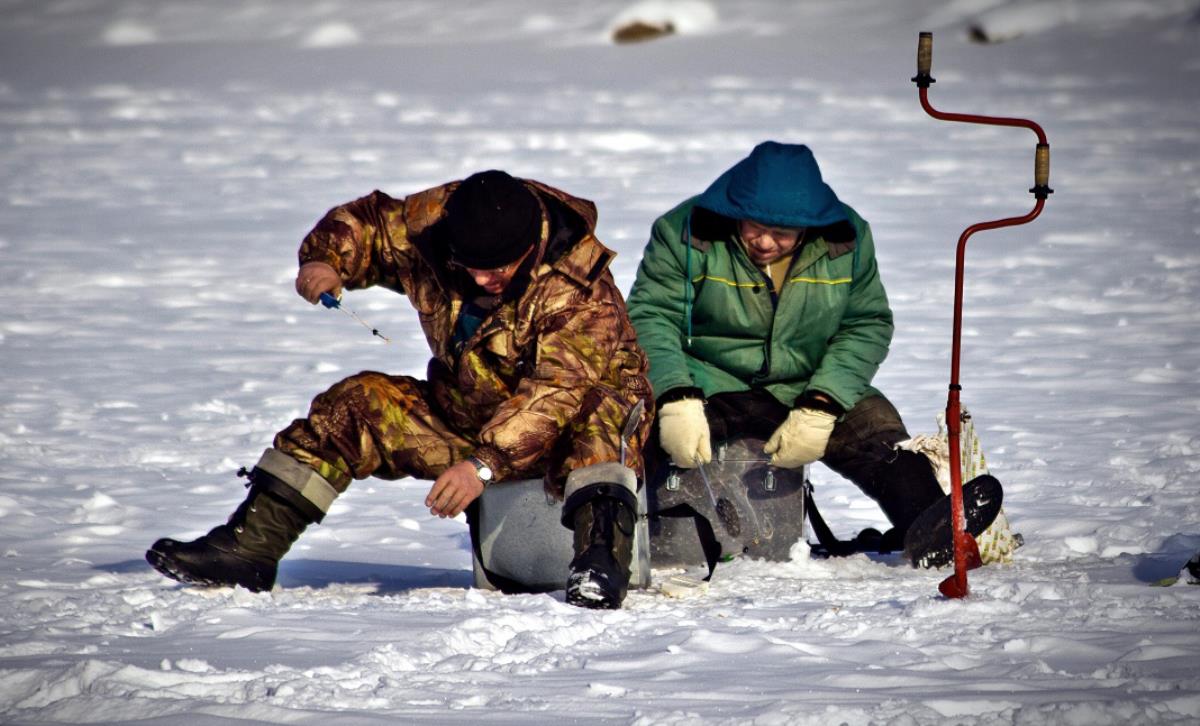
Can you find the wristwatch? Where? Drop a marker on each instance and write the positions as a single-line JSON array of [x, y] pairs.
[[482, 470]]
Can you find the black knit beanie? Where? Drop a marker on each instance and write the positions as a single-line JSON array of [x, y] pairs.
[[491, 220]]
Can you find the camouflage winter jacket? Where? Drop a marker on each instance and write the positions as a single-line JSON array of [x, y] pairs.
[[560, 330]]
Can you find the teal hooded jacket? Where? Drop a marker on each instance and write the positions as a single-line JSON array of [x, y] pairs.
[[708, 317]]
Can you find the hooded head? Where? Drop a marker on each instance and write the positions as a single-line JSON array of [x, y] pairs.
[[491, 220], [778, 185]]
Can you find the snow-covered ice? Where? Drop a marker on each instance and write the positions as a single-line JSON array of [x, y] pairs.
[[163, 159]]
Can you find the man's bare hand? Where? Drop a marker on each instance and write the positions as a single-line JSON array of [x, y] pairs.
[[457, 487], [315, 278]]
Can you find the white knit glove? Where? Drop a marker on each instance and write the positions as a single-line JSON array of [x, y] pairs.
[[801, 439], [683, 432]]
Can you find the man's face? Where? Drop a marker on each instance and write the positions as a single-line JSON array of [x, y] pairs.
[[494, 281], [766, 244]]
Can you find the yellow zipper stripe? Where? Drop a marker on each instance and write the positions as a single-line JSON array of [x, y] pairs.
[[835, 281]]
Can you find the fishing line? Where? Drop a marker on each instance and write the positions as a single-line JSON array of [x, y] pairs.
[[330, 301]]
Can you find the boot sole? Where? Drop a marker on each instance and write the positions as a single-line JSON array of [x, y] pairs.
[[167, 566], [929, 542], [170, 567]]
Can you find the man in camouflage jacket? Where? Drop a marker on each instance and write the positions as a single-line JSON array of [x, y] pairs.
[[535, 370]]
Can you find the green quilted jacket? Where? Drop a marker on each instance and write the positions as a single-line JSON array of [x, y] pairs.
[[708, 318]]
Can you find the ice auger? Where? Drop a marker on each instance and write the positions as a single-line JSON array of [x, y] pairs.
[[966, 552]]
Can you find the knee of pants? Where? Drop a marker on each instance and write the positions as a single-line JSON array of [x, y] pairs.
[[872, 426], [372, 386]]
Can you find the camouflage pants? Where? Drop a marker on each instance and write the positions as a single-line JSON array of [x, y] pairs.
[[390, 427]]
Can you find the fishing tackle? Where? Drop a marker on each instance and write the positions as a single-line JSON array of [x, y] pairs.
[[332, 302]]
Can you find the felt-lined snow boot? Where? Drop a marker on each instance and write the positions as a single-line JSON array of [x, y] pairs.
[[600, 506], [245, 550], [929, 541]]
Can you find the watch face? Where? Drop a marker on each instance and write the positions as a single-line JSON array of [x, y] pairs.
[[482, 470]]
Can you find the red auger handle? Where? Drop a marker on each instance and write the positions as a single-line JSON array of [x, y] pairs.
[[1041, 159]]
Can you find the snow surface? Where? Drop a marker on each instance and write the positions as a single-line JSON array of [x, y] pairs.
[[163, 158]]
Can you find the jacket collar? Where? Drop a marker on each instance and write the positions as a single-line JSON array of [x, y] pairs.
[[573, 251], [585, 261]]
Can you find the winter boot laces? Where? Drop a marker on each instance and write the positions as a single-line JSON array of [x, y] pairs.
[[244, 551], [929, 541], [603, 551]]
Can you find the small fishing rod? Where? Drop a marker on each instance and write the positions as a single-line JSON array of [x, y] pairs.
[[329, 301]]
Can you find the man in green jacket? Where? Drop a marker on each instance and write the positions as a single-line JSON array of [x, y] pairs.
[[760, 306]]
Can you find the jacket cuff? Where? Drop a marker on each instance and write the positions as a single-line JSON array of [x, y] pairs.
[[809, 399], [495, 460], [329, 258], [679, 394]]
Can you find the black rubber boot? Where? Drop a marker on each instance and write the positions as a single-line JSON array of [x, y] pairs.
[[929, 541], [1192, 568], [907, 486], [904, 485], [603, 552], [244, 551]]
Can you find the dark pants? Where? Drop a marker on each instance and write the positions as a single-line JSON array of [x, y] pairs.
[[861, 448]]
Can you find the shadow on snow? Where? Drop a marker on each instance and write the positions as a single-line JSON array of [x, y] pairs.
[[318, 574]]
